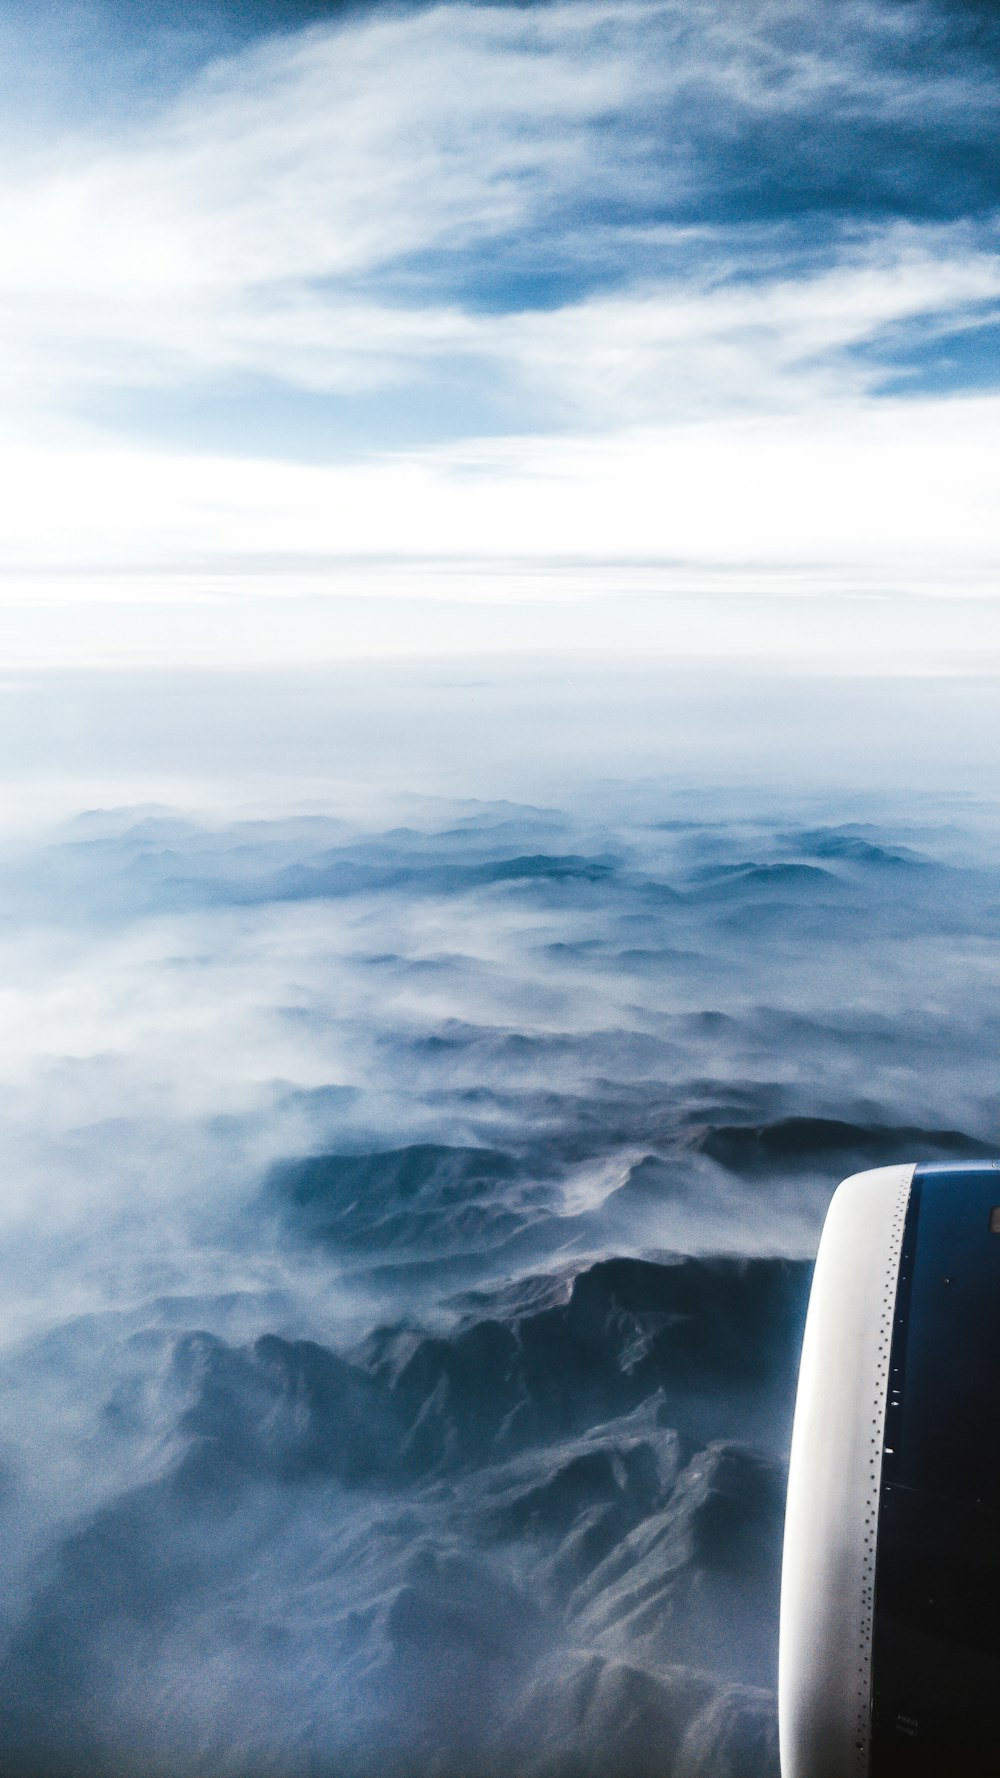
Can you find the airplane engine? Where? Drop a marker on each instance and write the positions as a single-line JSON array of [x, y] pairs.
[[889, 1662]]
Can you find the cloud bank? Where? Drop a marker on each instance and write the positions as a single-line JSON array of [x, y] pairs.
[[406, 1247]]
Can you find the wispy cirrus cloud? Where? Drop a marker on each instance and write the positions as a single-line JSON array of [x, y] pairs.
[[337, 209], [518, 283]]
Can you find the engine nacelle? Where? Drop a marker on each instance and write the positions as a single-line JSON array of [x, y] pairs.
[[890, 1592]]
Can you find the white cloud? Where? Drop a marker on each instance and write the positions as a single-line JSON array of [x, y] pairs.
[[196, 240], [685, 350], [491, 547], [251, 229], [889, 483]]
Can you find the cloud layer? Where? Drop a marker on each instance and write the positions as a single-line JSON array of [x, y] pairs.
[[406, 1241], [377, 203], [445, 272]]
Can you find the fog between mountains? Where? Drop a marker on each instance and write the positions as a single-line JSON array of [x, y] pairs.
[[407, 1244]]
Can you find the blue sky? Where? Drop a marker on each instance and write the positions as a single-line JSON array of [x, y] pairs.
[[494, 295]]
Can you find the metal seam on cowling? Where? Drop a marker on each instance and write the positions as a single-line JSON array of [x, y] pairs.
[[863, 1725]]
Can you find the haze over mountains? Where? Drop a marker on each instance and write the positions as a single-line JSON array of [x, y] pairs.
[[408, 1243]]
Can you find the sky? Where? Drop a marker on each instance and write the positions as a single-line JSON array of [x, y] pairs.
[[661, 329]]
